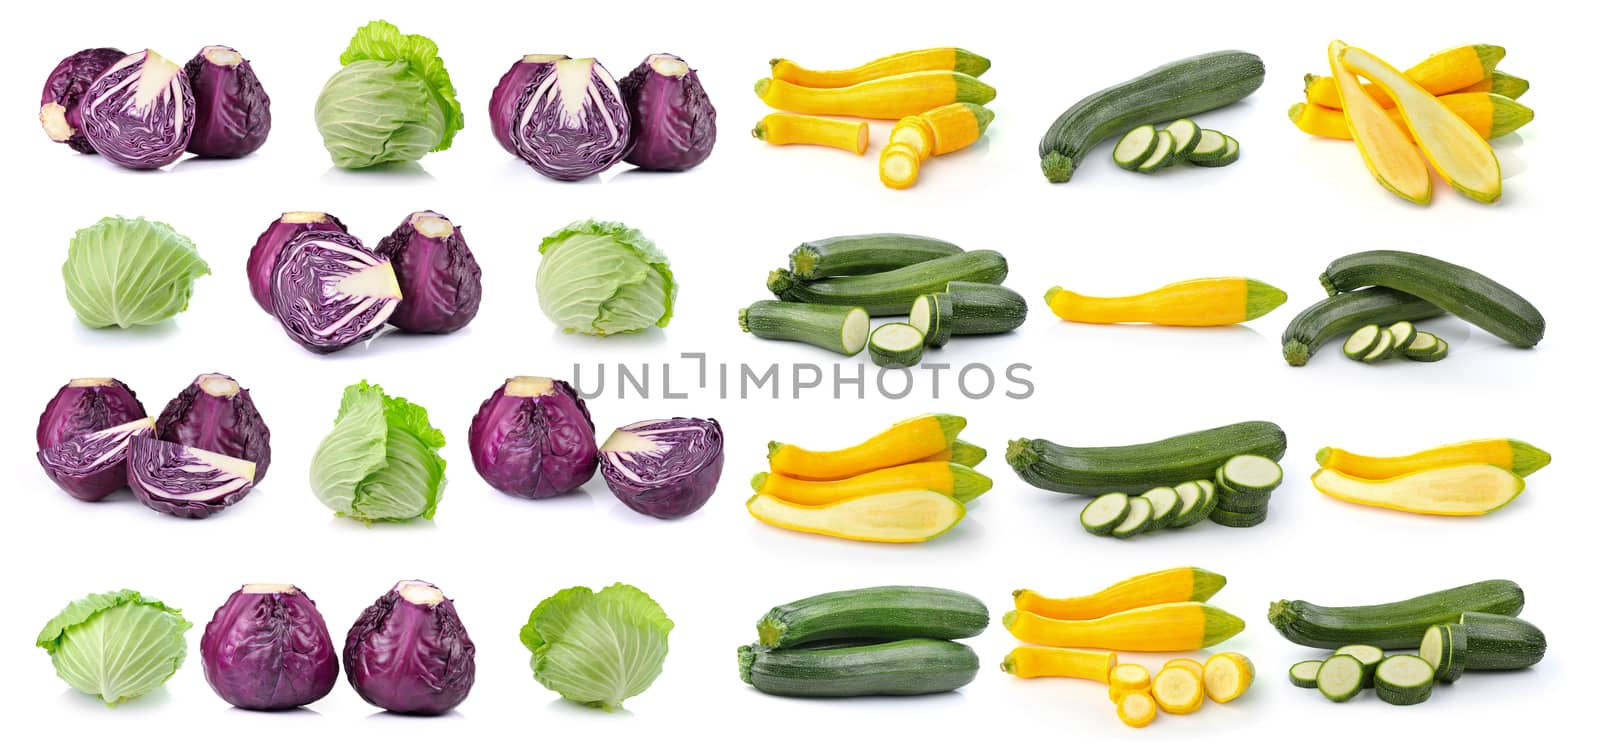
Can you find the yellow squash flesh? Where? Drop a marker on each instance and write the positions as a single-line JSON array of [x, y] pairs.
[[900, 517], [1227, 676], [1385, 146], [1441, 73], [1177, 690], [1490, 115], [1136, 709], [1460, 490]]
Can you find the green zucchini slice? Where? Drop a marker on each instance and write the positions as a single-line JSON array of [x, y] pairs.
[[1249, 472], [1208, 504], [1163, 506], [1138, 519], [1369, 655], [1445, 650], [1242, 502], [1229, 155], [1421, 344], [1440, 349], [1185, 137], [932, 315], [896, 345], [1161, 157], [1304, 674], [1210, 146], [1383, 349], [1226, 518], [1404, 680], [1135, 147], [1340, 677], [1361, 341], [1404, 332], [1190, 501], [1105, 513]]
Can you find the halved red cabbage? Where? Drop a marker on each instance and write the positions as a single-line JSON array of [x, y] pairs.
[[329, 292], [503, 102], [184, 481], [533, 438], [571, 123], [215, 414], [269, 246], [267, 648], [674, 124], [84, 406], [60, 104], [92, 466], [232, 111], [409, 652], [440, 283], [664, 468], [140, 112]]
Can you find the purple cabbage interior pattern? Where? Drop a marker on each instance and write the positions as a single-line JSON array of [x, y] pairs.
[[232, 111], [93, 465], [140, 112], [409, 653], [267, 648], [664, 468], [571, 122], [269, 246], [503, 102], [674, 124], [84, 406], [533, 438], [215, 414], [184, 481], [59, 105], [329, 292], [440, 283]]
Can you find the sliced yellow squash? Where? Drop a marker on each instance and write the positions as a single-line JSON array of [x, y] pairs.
[[1177, 690], [1455, 491], [1136, 709], [899, 517], [1227, 676], [1384, 145]]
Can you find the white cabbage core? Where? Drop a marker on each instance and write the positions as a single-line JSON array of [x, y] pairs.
[[419, 592], [529, 386]]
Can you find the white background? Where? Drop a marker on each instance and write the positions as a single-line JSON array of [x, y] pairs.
[[1290, 205]]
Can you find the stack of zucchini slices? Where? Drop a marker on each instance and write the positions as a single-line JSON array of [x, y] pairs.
[[1236, 497], [1149, 149], [1373, 343]]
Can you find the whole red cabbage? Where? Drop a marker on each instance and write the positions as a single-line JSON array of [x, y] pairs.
[[140, 112], [84, 406], [267, 648], [571, 122], [503, 102], [409, 653], [184, 481], [674, 124], [664, 468], [232, 111], [269, 246], [440, 283], [60, 104], [329, 292], [215, 414], [533, 438], [94, 465]]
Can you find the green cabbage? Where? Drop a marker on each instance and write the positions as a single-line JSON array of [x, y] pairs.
[[391, 102], [381, 462], [604, 278], [598, 648], [116, 646], [130, 272]]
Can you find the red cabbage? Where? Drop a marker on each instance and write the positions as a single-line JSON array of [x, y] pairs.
[[184, 481], [94, 465], [329, 292], [84, 406], [674, 124], [267, 648], [215, 414], [664, 468], [440, 283], [60, 105], [571, 122], [503, 102], [269, 246], [533, 438], [140, 112], [409, 653], [232, 111]]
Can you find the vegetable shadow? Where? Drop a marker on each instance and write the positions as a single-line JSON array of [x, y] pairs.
[[569, 707], [387, 173]]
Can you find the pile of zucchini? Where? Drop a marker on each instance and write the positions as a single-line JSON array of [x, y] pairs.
[[1388, 288], [1468, 628], [1237, 497], [896, 640], [1149, 149], [832, 287], [1374, 343]]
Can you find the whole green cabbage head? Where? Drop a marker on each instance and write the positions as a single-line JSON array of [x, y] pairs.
[[381, 462], [604, 278], [130, 272], [391, 102], [598, 649], [115, 646]]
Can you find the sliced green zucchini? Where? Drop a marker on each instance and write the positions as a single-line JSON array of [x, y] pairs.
[[864, 254], [1135, 147], [1185, 137], [890, 293], [1229, 155], [1403, 680], [896, 345], [1242, 502], [981, 308], [1461, 291], [1105, 513], [1421, 344], [1440, 349], [1496, 642], [1404, 332], [1138, 519], [1163, 506], [1340, 677], [1210, 146], [1445, 651], [931, 314], [1190, 499], [1391, 626], [1341, 314], [1208, 504], [1226, 518], [842, 329], [1382, 350], [1304, 674], [1361, 341], [904, 667], [1162, 157], [1091, 471], [1369, 655], [1249, 472], [893, 612]]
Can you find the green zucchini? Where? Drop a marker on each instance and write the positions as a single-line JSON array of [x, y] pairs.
[[981, 308], [1241, 502], [895, 345], [848, 255], [1472, 296], [1369, 655], [967, 453], [1163, 506], [1342, 314], [891, 293], [1135, 147], [1404, 333], [1403, 680], [877, 613], [1140, 514], [1496, 642], [1164, 155], [1229, 155], [1362, 341], [1443, 647], [1185, 137], [1210, 148], [1383, 349], [1176, 90], [1340, 677], [1190, 500], [1103, 514], [1226, 518], [842, 329], [1391, 626], [1421, 344], [904, 667], [1091, 471], [1434, 354], [1203, 509], [1250, 473], [932, 315], [1304, 674]]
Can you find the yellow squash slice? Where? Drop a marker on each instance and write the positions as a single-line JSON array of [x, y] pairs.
[[1460, 490], [1384, 144]]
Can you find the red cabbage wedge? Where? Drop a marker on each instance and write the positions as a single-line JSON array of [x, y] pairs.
[[664, 468], [508, 93], [93, 466], [214, 413], [184, 481], [84, 406], [329, 292], [270, 244]]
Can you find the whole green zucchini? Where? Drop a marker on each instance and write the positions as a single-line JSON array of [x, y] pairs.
[[1475, 298], [1392, 626], [891, 293], [1133, 469], [906, 667], [846, 255], [893, 612], [1176, 90], [1499, 642], [1342, 314]]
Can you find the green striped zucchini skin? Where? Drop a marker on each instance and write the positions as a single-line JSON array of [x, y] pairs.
[[1399, 625], [891, 612], [871, 253], [891, 293], [1496, 642], [1468, 294], [1133, 469], [1342, 314], [980, 308], [901, 668]]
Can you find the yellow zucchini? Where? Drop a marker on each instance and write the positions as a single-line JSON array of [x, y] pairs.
[[1186, 663], [785, 128], [1162, 628], [889, 98], [899, 166], [1177, 690], [899, 517], [1519, 457], [909, 440], [959, 482], [1461, 490], [957, 126], [1125, 678], [934, 59], [1461, 156], [1498, 82], [1384, 145], [1227, 676], [1176, 585], [961, 453], [1491, 115], [1033, 661], [914, 132], [1136, 709], [1442, 73], [1215, 301]]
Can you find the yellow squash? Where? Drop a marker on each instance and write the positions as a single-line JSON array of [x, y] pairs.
[[1385, 146], [1498, 82], [888, 98], [1519, 457], [1163, 628], [899, 166], [1215, 301], [914, 132], [785, 128], [1177, 690], [909, 440], [1460, 490], [1187, 663], [1125, 678], [959, 482], [934, 59], [1491, 115], [1227, 676], [1175, 585], [899, 517], [1444, 72], [961, 453], [1033, 661], [1136, 709]]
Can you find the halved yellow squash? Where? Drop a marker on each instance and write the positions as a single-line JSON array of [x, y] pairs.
[[1460, 490]]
